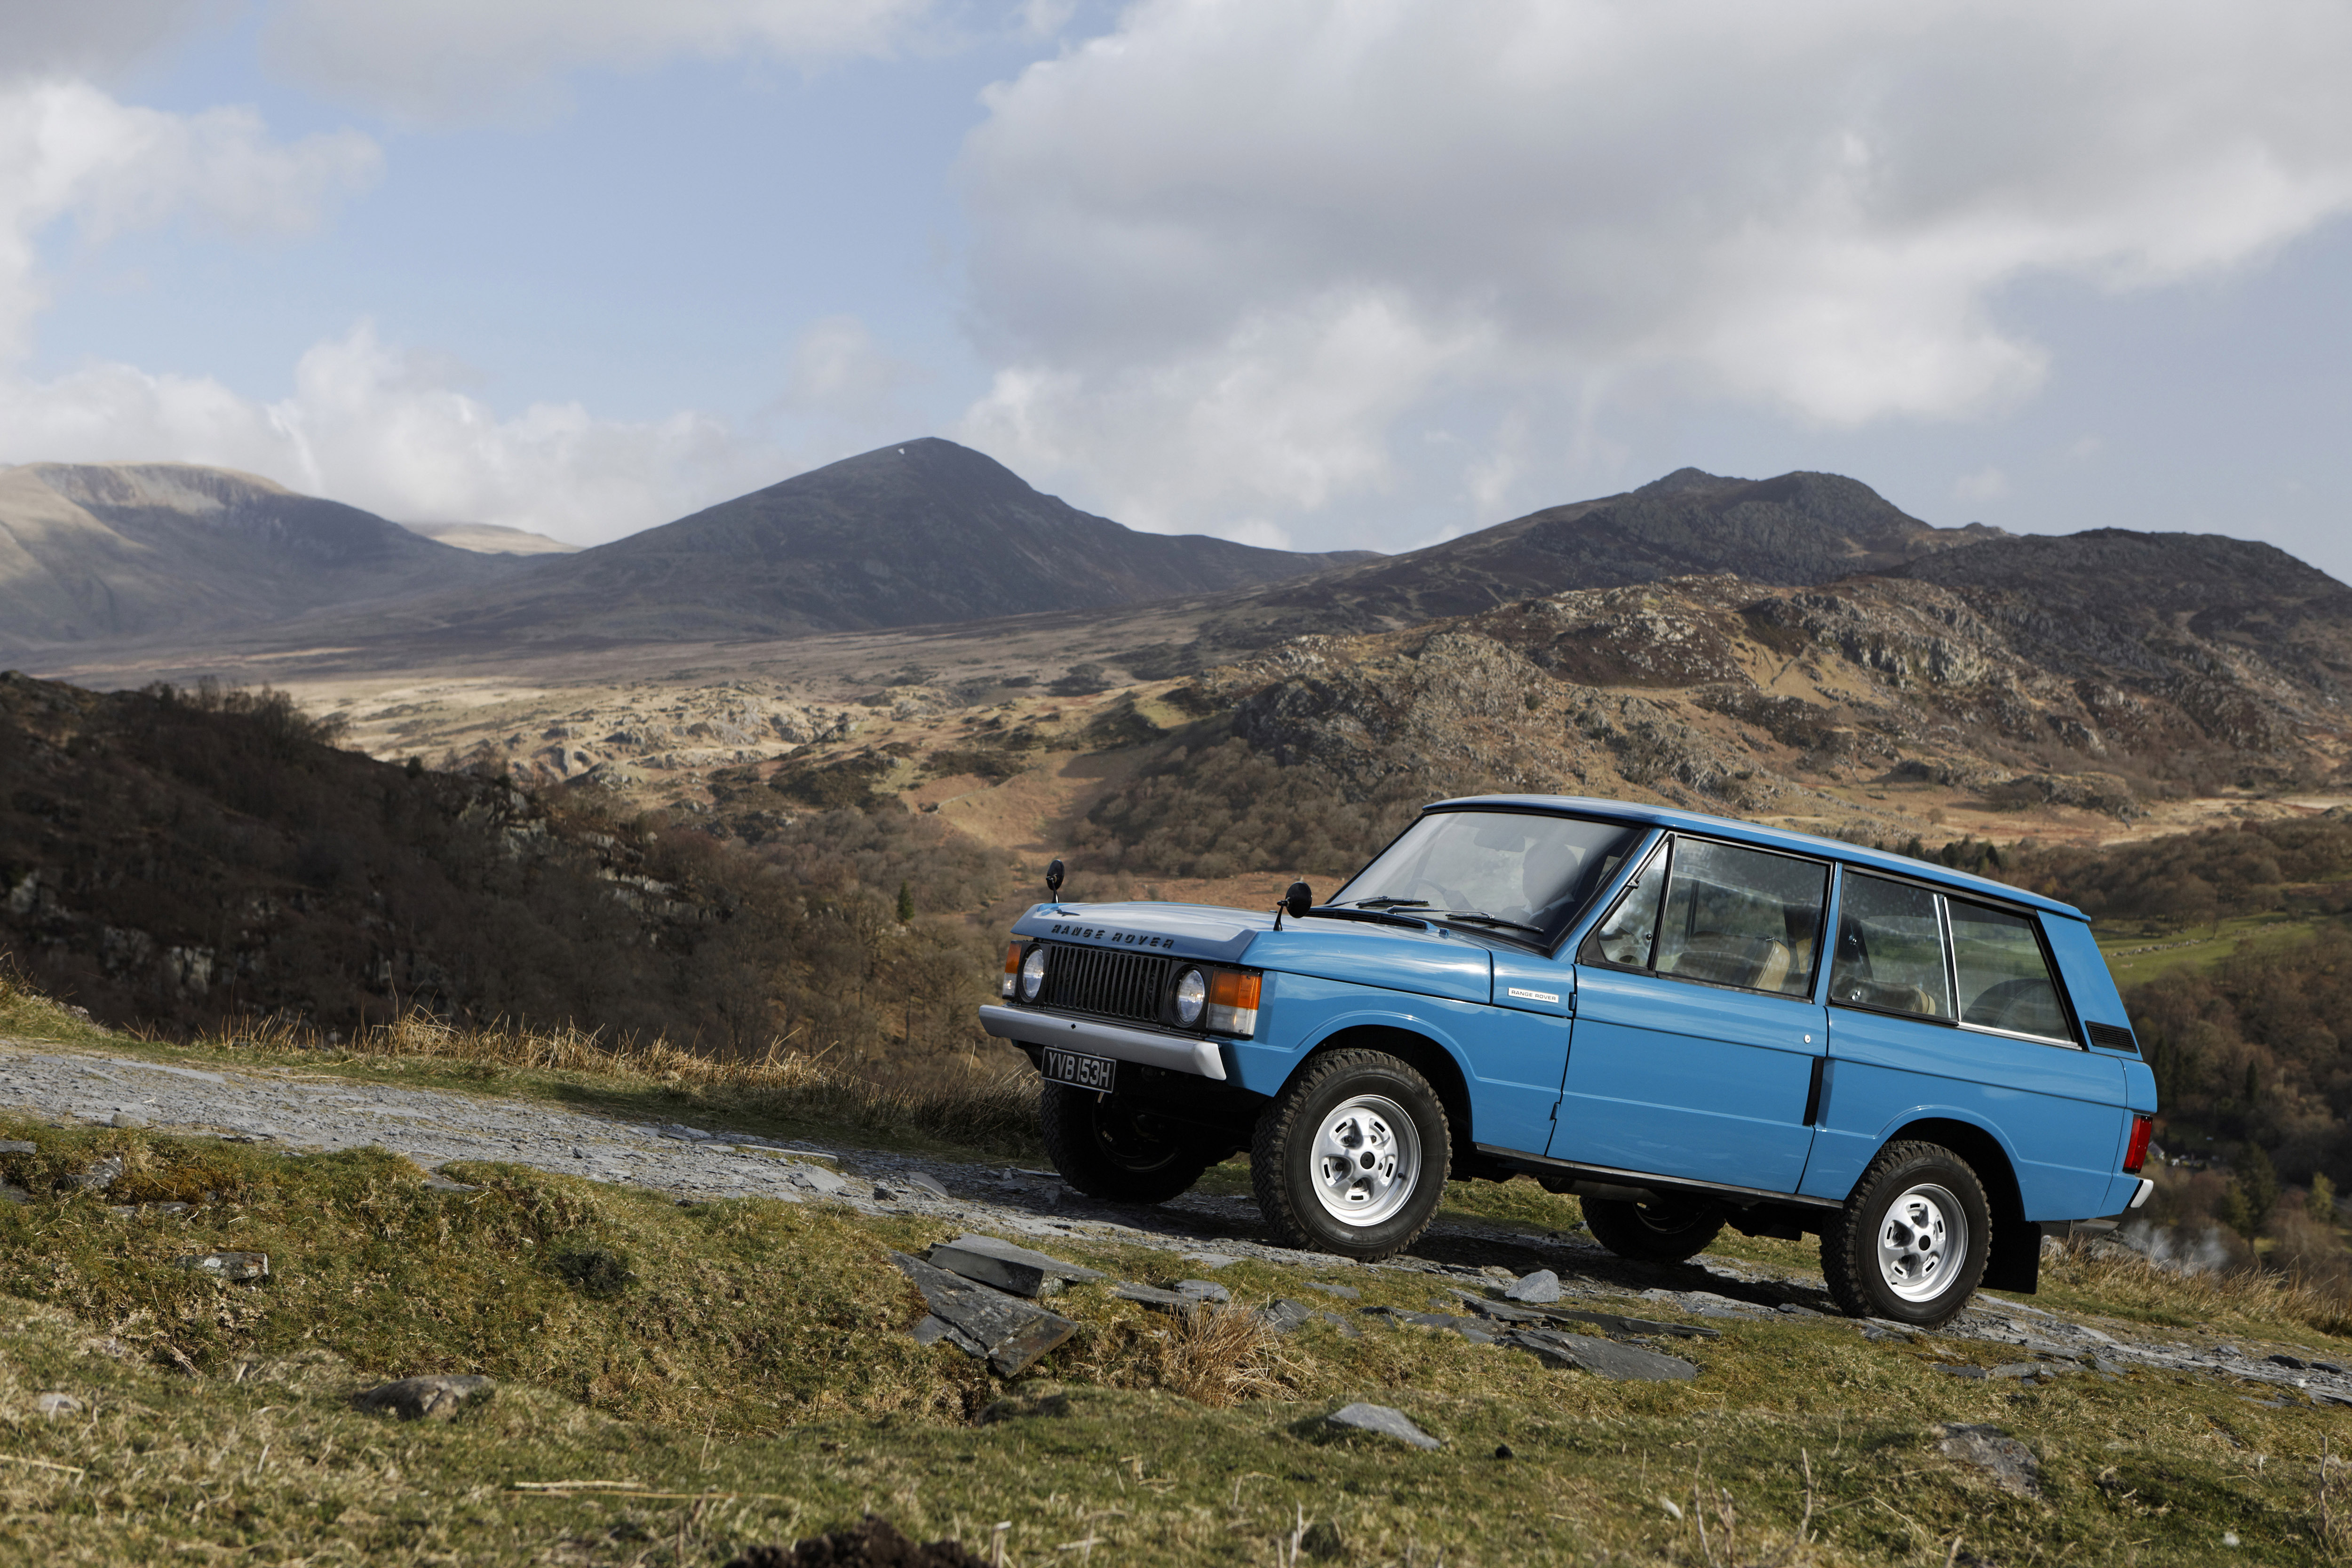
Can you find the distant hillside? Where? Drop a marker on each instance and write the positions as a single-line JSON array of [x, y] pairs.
[[177, 858], [492, 539], [907, 535], [2100, 673], [2188, 610], [1800, 528], [106, 552]]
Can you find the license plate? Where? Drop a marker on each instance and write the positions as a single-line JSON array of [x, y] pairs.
[[1098, 1073]]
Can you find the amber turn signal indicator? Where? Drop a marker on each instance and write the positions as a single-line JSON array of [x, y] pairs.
[[1012, 968]]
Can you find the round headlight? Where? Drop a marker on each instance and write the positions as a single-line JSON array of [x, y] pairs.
[[1033, 974], [1191, 995]]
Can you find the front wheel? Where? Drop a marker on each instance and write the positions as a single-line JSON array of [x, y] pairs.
[[1912, 1242], [1652, 1232], [1108, 1148], [1351, 1158]]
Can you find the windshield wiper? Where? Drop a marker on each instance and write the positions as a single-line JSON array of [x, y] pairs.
[[1472, 917], [1385, 902], [1378, 917]]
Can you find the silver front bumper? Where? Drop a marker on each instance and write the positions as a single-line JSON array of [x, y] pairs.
[[1178, 1053]]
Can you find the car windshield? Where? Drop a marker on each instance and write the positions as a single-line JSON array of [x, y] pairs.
[[1529, 874]]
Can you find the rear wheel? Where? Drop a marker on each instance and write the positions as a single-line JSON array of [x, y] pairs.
[[1656, 1231], [1351, 1157], [1108, 1147], [1912, 1242]]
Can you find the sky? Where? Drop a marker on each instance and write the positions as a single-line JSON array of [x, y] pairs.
[[1322, 274]]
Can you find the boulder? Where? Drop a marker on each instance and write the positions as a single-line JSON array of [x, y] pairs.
[[1540, 1288], [437, 1398]]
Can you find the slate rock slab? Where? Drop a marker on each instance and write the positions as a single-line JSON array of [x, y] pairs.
[[1381, 1421], [923, 1183], [1204, 1290], [1540, 1288], [1010, 1332], [227, 1265], [993, 1261], [18, 1146], [1603, 1358], [1345, 1292], [2009, 1463], [816, 1178], [424, 1398], [1153, 1297]]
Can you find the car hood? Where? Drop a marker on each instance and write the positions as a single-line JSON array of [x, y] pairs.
[[1433, 962]]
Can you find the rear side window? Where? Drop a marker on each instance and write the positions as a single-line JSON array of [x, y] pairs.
[[1744, 918], [2004, 976], [1905, 949], [1890, 950]]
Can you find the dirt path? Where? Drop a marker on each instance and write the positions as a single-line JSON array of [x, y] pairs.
[[300, 1111]]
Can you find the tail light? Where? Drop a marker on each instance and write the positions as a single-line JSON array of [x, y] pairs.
[[2135, 1155], [1233, 1002], [1011, 969]]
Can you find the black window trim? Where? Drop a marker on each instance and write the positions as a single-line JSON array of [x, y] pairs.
[[1943, 898], [2049, 963], [1664, 854]]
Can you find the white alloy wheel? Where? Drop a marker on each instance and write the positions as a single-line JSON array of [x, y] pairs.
[[1366, 1160], [1922, 1242]]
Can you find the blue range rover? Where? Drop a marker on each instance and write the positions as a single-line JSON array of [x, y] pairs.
[[1687, 1022]]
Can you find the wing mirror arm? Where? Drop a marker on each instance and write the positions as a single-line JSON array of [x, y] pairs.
[[1296, 901]]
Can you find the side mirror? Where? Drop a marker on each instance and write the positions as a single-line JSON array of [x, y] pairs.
[[1054, 877], [1298, 899]]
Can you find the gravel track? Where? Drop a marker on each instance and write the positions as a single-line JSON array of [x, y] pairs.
[[303, 1112]]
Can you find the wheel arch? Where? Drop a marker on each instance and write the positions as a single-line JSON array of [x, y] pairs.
[[1428, 1057], [2014, 1260]]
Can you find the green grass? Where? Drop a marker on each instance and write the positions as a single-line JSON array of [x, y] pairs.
[[742, 1365], [2151, 956]]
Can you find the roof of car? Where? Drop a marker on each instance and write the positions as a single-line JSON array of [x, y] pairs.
[[1668, 817]]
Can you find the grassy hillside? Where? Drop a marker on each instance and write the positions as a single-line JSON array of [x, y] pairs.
[[678, 1383]]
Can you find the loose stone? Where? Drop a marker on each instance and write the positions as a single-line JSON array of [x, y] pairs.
[[425, 1398], [1382, 1421]]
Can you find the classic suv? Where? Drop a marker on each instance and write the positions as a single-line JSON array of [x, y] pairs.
[[1686, 1021]]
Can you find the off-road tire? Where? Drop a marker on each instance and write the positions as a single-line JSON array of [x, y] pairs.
[[1652, 1232], [1107, 1148], [1942, 1186], [1398, 1103]]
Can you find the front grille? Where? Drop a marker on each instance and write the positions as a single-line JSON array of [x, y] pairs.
[[2113, 1037], [1102, 980]]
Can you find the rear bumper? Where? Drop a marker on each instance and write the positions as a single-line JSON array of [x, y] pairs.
[[1151, 1047], [2066, 1229]]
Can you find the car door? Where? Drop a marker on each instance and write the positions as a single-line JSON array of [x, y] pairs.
[[1940, 1004], [1697, 1030]]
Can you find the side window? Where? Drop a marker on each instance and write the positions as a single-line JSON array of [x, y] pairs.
[[1623, 936], [2005, 981], [1742, 917], [1890, 950]]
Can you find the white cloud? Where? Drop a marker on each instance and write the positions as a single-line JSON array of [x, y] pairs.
[[841, 376], [1985, 484], [370, 425], [68, 150], [1221, 250], [442, 59], [53, 38]]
